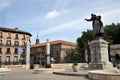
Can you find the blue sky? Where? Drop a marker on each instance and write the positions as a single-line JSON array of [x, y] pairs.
[[56, 19]]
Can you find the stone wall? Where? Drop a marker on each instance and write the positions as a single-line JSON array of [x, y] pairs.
[[65, 65], [15, 67]]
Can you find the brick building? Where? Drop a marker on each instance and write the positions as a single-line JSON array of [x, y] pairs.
[[58, 50], [12, 45]]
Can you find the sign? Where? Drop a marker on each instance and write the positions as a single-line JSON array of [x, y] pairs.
[[20, 50]]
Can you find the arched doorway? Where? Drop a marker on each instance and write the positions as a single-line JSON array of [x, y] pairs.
[[117, 59]]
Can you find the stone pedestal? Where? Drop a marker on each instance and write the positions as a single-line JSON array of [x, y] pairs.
[[99, 55]]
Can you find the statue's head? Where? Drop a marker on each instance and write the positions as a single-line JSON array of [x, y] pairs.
[[93, 16], [99, 17]]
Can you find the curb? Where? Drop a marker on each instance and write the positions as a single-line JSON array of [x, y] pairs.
[[70, 74]]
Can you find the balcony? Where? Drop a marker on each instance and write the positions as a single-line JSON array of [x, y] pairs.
[[23, 38], [15, 62], [8, 44], [15, 52], [16, 38], [1, 44], [23, 45], [8, 52], [16, 45], [1, 37], [8, 37]]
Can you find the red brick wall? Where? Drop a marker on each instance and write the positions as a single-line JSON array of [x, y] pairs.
[[56, 48]]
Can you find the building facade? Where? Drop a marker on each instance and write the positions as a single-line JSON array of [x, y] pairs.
[[12, 45], [115, 52], [58, 50]]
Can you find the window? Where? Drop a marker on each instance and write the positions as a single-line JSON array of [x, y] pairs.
[[15, 58], [16, 50], [24, 51], [16, 36], [0, 50], [8, 50], [57, 54], [0, 34], [23, 59], [0, 42], [8, 42], [23, 37], [7, 58], [43, 55], [51, 53], [16, 43], [9, 35], [23, 44]]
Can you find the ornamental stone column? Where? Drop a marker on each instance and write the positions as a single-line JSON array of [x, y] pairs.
[[48, 63], [28, 54]]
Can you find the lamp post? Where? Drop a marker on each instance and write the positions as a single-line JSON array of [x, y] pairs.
[[48, 64]]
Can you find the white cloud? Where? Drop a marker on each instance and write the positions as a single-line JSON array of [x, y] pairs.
[[111, 16], [4, 4], [75, 24], [52, 14]]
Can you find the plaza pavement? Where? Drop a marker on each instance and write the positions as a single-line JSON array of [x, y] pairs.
[[28, 75]]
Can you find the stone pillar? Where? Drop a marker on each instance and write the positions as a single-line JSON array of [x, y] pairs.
[[99, 55], [28, 55], [48, 64]]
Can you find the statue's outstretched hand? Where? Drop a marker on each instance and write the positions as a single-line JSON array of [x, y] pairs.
[[86, 19]]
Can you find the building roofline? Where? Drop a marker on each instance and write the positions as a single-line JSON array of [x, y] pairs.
[[15, 30], [115, 46], [54, 43]]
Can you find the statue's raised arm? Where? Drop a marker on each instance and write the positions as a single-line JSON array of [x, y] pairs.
[[93, 16], [97, 25]]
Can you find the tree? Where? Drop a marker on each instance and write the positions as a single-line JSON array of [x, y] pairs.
[[82, 44], [72, 56], [112, 33]]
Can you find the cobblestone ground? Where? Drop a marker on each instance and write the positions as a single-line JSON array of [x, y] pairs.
[[28, 75]]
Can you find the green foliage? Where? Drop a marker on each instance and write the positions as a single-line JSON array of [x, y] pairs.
[[82, 43], [112, 33], [72, 56]]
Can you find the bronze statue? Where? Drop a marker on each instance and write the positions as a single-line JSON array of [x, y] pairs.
[[97, 25]]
